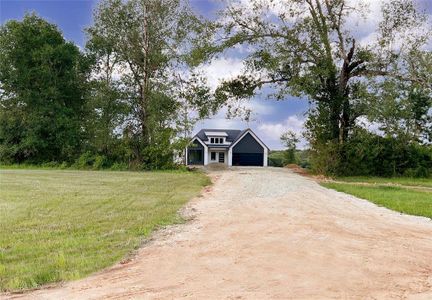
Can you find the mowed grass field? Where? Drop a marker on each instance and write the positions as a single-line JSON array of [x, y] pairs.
[[407, 195], [406, 181], [60, 225]]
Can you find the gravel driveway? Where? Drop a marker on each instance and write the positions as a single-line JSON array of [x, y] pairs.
[[268, 233]]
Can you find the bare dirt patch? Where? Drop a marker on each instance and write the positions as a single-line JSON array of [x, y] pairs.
[[268, 233]]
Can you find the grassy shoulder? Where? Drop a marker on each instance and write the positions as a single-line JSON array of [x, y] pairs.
[[404, 200], [61, 225], [408, 181]]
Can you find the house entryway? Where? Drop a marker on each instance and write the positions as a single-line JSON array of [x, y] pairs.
[[217, 157]]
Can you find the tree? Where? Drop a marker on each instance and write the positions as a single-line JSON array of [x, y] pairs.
[[310, 48], [106, 112], [42, 83], [289, 139], [144, 46], [401, 110], [107, 106]]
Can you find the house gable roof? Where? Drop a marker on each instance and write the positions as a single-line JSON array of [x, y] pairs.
[[231, 134], [199, 140], [244, 133]]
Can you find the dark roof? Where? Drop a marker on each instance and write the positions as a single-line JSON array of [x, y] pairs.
[[232, 134]]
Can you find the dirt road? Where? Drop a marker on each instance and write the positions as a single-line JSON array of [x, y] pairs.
[[271, 234]]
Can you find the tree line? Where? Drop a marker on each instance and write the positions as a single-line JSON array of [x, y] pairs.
[[130, 99]]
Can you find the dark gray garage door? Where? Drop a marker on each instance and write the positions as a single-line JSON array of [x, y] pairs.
[[248, 152], [248, 159]]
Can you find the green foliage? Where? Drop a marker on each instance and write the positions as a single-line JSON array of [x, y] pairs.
[[144, 96], [279, 159], [50, 165], [89, 160], [276, 159], [372, 155], [85, 160], [401, 109], [100, 162], [303, 158], [132, 109], [289, 139], [307, 50], [42, 83], [151, 99], [119, 167]]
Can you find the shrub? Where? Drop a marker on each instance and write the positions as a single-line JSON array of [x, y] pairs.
[[119, 166], [367, 154], [64, 165], [303, 158], [85, 161], [50, 164], [305, 164], [275, 162], [417, 172], [100, 162], [276, 159]]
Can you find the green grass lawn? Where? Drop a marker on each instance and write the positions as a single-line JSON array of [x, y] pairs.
[[405, 200], [60, 225], [426, 182]]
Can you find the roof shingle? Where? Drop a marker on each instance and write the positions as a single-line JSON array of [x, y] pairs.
[[232, 134]]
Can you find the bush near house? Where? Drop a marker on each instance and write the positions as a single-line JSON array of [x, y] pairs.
[[277, 158], [368, 154]]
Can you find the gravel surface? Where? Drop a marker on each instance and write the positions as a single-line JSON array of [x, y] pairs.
[[266, 233]]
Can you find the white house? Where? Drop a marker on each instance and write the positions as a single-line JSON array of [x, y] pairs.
[[227, 146]]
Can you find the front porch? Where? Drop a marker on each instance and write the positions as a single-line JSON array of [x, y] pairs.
[[218, 156]]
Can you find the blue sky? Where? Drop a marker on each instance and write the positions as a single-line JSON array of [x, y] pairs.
[[270, 118]]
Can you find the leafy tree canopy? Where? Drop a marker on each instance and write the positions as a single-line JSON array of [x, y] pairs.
[[42, 80], [142, 48], [311, 48]]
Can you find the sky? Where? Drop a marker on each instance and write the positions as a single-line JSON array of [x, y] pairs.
[[270, 118]]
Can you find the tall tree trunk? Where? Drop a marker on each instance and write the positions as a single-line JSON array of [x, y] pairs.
[[144, 118]]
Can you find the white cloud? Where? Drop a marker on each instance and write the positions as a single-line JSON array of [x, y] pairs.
[[362, 21], [221, 123], [367, 17], [221, 69], [373, 127], [369, 39], [260, 108], [273, 131]]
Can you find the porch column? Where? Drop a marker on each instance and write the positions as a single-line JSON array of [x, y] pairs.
[[206, 151], [229, 157]]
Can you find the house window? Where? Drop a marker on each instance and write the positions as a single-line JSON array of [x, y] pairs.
[[213, 155], [195, 157], [216, 140]]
